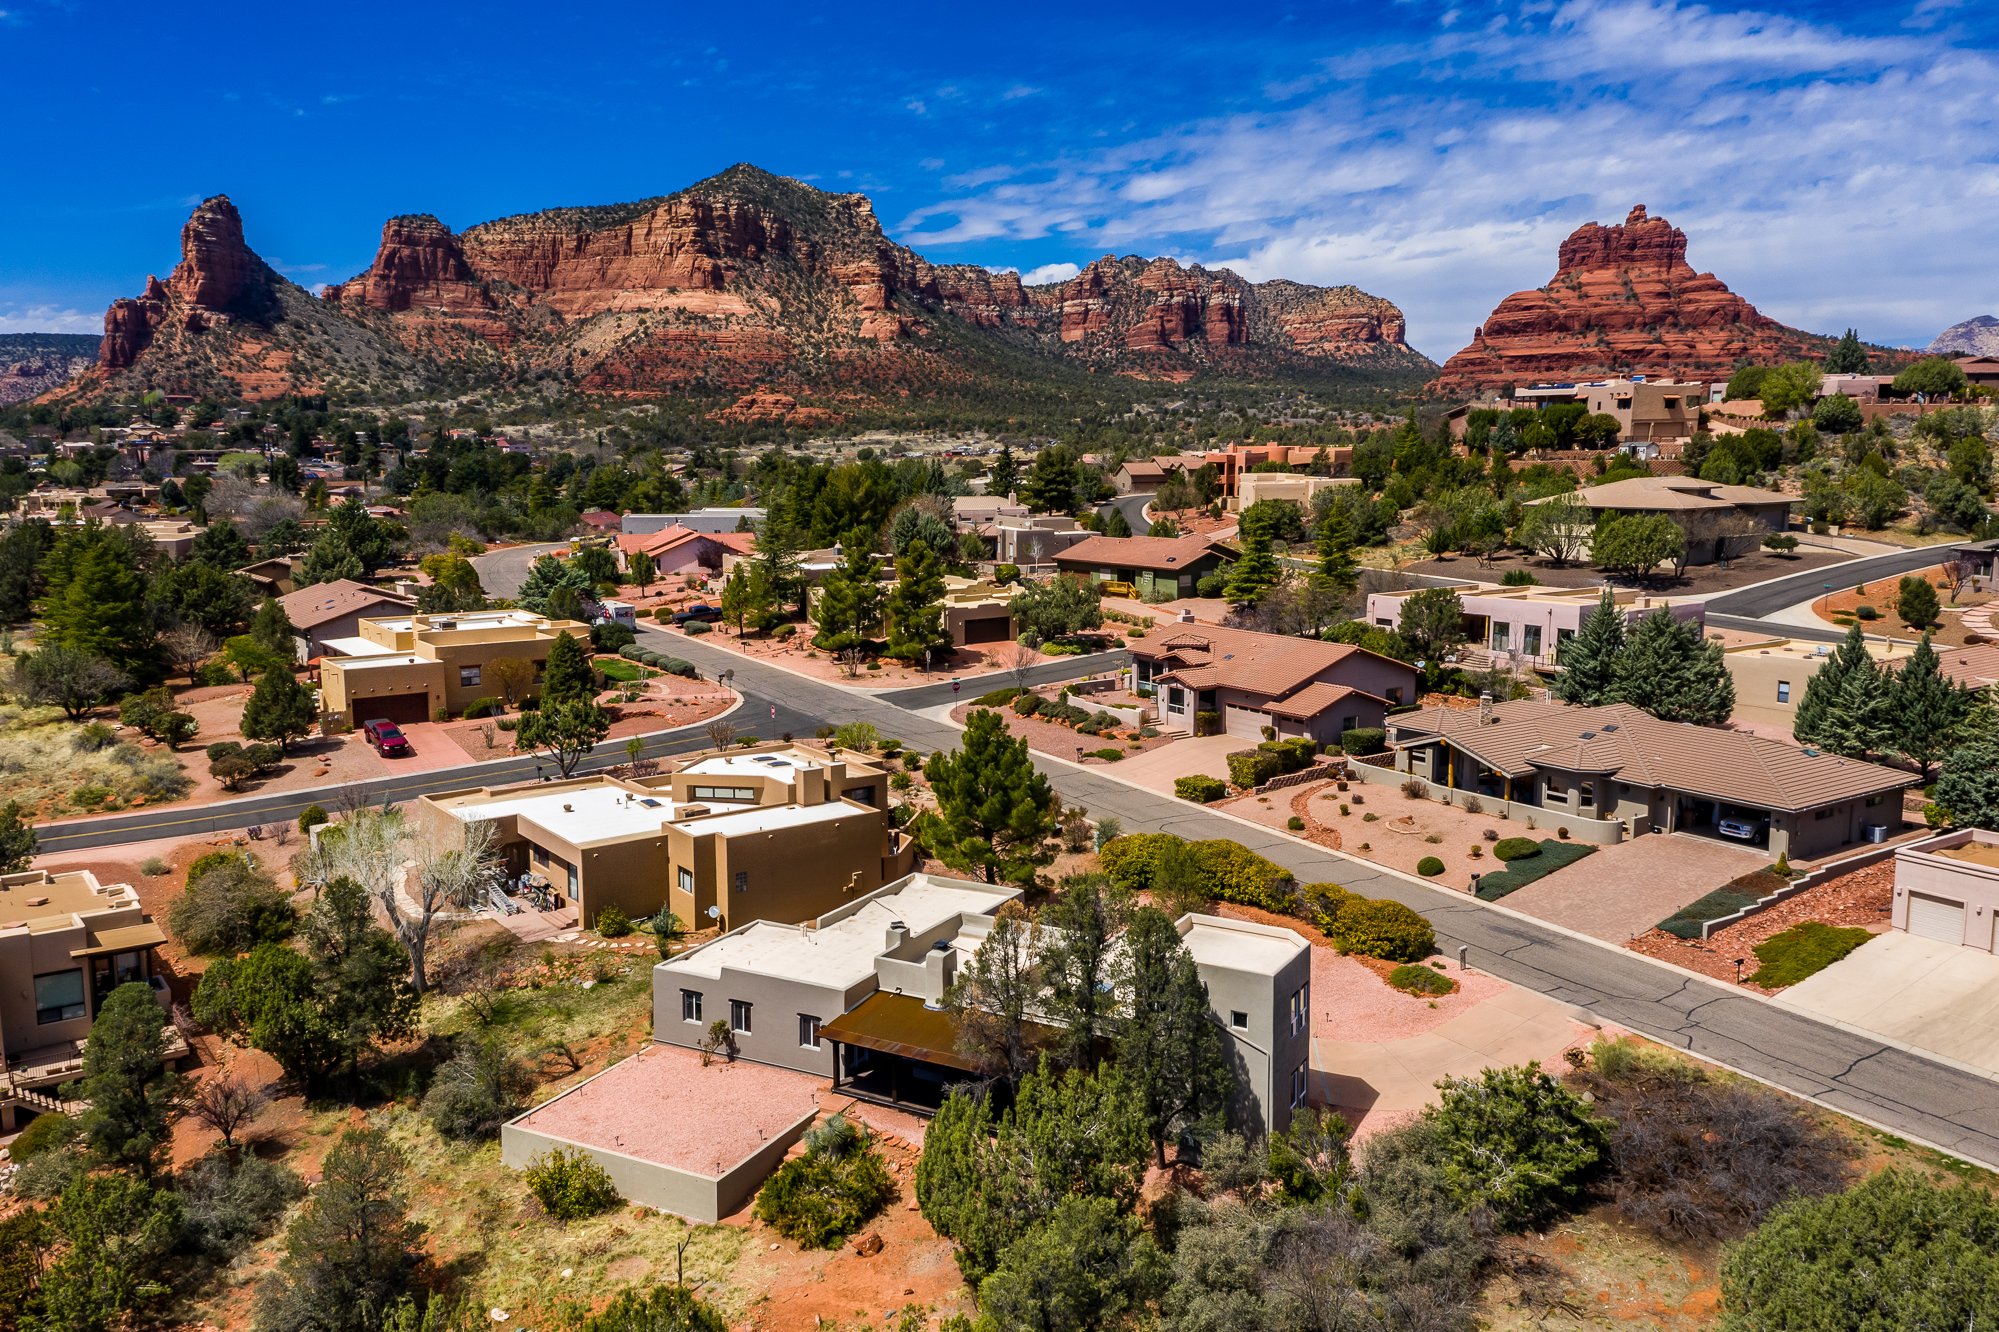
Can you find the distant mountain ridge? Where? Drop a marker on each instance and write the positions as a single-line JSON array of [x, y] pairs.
[[31, 364], [746, 281], [1973, 337]]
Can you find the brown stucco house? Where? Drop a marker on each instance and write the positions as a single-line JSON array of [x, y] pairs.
[[1620, 763], [1164, 566], [326, 612], [1295, 686], [1721, 522], [414, 667]]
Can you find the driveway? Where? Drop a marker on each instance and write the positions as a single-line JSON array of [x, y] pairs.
[[1933, 996], [501, 572], [1155, 769], [1624, 890]]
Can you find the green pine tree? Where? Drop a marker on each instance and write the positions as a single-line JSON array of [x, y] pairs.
[[1929, 710], [1916, 601], [1589, 660], [849, 608], [100, 609], [125, 1079], [273, 629], [1848, 356], [1670, 672], [1004, 479], [1844, 709], [1337, 565], [915, 607], [1117, 525], [1168, 1046], [280, 709], [1255, 573], [567, 672], [995, 812]]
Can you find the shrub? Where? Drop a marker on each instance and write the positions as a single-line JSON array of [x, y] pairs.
[[997, 698], [1552, 856], [1517, 1142], [677, 666], [1518, 578], [660, 1309], [309, 818], [1414, 978], [825, 1194], [1517, 848], [1803, 950], [900, 781], [1378, 927], [1207, 723], [1200, 789], [45, 1133], [478, 1089], [1364, 740], [1416, 788], [230, 906], [1107, 755], [1237, 874], [1429, 867], [696, 628], [227, 1203], [1321, 903], [1866, 613], [1026, 705], [1726, 900], [1132, 860], [613, 923], [1252, 768], [570, 1185], [1295, 823], [484, 707]]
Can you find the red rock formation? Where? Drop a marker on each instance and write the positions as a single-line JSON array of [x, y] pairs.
[[1623, 299], [129, 325]]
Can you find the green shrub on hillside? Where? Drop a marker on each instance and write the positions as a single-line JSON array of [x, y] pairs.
[[1378, 927], [1237, 874], [1131, 860], [828, 1192], [570, 1185]]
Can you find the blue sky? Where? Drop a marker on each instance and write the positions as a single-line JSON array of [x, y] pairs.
[[1835, 163]]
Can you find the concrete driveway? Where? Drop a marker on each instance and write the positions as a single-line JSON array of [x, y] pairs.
[[1624, 890], [1155, 769], [501, 572], [1933, 996]]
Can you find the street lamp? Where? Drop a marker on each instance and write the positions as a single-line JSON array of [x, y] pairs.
[[1738, 970]]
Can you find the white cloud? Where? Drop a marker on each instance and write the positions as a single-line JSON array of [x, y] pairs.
[[1034, 277], [49, 319], [1832, 176]]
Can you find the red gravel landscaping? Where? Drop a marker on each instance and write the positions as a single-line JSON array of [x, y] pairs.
[[1859, 897]]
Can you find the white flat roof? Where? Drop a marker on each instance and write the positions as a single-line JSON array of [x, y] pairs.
[[778, 763], [391, 659], [841, 954], [461, 620], [1265, 950], [766, 818], [356, 647], [578, 814]]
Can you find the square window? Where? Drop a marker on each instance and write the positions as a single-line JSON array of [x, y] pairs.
[[59, 996], [690, 1005], [468, 675], [1238, 1019], [808, 1031], [739, 1016]]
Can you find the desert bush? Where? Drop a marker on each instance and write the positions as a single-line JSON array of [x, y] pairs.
[[1519, 1143], [829, 1191], [1107, 755], [570, 1185], [1665, 1172], [1200, 789], [1378, 927], [696, 628], [997, 698], [154, 866], [613, 923], [1415, 978], [1516, 848], [478, 1089], [229, 1202], [48, 761], [1295, 823], [483, 707], [1237, 874], [1364, 740], [230, 906], [45, 1133], [1803, 950], [1429, 867], [310, 817], [1321, 903], [1027, 705], [1132, 860], [1416, 788]]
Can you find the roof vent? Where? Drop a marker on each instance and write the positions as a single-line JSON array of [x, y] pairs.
[[568, 808], [1587, 735], [1811, 752], [1610, 727]]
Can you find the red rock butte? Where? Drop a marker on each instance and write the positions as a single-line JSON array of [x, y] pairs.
[[1623, 300]]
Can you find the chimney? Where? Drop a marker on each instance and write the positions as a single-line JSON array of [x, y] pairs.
[[897, 932]]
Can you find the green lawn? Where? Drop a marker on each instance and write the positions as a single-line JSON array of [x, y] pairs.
[[624, 672], [1803, 950], [1523, 870]]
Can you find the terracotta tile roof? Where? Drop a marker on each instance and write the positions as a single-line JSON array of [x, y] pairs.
[[1203, 656], [323, 603], [1162, 554], [1675, 493], [1530, 734], [1315, 698]]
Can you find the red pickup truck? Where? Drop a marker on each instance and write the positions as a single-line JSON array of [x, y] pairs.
[[386, 737]]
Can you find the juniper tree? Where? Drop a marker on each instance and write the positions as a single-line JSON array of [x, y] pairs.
[[1845, 709], [566, 674], [1337, 565], [1168, 1044], [280, 709], [1589, 660], [1670, 672], [1928, 709]]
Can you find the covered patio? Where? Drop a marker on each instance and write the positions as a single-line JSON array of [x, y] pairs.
[[894, 1050]]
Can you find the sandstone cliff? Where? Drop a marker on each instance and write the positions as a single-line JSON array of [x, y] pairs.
[[1973, 337], [1623, 300]]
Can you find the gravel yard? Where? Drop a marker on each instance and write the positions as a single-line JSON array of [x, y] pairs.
[[1859, 897]]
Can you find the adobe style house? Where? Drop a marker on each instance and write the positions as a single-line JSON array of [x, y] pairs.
[[775, 832], [859, 998], [1947, 889], [1296, 686], [327, 612], [66, 942], [413, 667], [1528, 625], [1720, 522], [977, 613], [1618, 763], [1647, 410], [1157, 566]]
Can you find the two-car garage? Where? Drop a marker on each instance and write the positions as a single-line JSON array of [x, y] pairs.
[[405, 709]]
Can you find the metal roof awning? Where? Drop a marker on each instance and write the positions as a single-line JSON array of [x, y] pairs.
[[900, 1024], [121, 940]]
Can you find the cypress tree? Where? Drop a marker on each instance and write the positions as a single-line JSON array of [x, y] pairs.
[[1256, 572], [1670, 672], [1928, 708], [916, 607], [1815, 722], [1337, 564], [1589, 660], [567, 674]]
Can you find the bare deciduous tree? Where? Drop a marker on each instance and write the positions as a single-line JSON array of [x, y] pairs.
[[377, 850], [1017, 659], [513, 677], [721, 733], [186, 646], [226, 1103]]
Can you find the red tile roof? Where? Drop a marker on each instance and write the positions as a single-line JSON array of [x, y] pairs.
[[1160, 554]]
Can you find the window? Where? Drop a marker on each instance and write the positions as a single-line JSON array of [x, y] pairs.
[[1586, 793], [1395, 694], [1530, 639], [1176, 697], [690, 1005], [1783, 691], [724, 793], [1299, 1085], [1298, 1007], [1562, 636], [572, 881], [1238, 1019], [808, 1031], [59, 997], [864, 794], [1501, 637], [1825, 813], [739, 1016], [686, 880], [1349, 722], [742, 881], [468, 675]]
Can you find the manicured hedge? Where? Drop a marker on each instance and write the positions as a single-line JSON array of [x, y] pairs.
[[1429, 867], [1237, 874], [1131, 860], [1200, 789], [1523, 871], [1364, 740]]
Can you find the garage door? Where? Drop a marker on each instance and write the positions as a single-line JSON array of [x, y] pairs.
[[993, 629], [1934, 918], [402, 709]]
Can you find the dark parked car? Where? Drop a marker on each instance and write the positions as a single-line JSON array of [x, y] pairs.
[[387, 738], [701, 611]]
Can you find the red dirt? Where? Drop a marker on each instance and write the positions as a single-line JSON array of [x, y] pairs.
[[1859, 897]]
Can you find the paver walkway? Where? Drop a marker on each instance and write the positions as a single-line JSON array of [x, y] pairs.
[[1624, 890]]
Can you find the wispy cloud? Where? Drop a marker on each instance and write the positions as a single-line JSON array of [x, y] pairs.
[[49, 319], [1831, 175]]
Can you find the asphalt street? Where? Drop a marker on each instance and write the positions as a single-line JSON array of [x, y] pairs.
[[501, 572], [1780, 593]]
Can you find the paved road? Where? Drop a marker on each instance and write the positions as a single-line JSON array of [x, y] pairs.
[[501, 572], [1779, 593]]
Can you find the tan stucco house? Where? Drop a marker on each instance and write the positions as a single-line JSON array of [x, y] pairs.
[[1248, 680], [413, 667]]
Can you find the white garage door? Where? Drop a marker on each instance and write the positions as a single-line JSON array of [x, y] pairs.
[[1933, 918]]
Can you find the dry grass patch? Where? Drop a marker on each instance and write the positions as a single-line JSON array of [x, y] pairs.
[[55, 767]]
